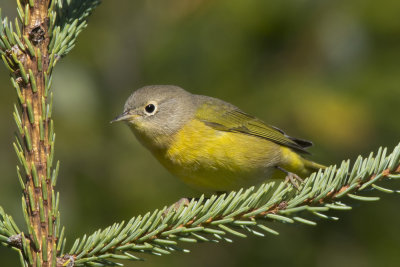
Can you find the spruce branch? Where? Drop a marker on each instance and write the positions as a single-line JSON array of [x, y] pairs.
[[8, 230], [70, 18], [25, 52], [238, 213], [30, 46]]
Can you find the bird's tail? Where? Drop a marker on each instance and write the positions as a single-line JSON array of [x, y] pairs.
[[312, 166], [293, 162]]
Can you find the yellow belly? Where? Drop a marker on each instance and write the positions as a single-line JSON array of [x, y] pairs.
[[212, 160]]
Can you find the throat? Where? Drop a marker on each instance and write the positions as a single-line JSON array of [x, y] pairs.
[[156, 143]]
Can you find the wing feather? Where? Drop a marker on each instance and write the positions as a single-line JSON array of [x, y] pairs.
[[223, 116]]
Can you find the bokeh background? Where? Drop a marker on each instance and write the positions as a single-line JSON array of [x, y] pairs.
[[326, 71]]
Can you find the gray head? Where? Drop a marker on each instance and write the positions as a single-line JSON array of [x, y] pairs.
[[156, 112]]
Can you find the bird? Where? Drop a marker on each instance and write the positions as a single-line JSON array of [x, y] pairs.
[[210, 144]]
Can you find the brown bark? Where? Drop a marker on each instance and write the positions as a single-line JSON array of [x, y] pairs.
[[37, 32]]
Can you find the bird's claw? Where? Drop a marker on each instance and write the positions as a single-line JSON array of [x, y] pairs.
[[175, 207], [291, 177], [294, 179]]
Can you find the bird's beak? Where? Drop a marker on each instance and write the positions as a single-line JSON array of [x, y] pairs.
[[123, 117]]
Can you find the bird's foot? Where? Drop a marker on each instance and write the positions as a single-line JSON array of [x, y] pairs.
[[294, 179], [291, 177], [175, 207], [185, 202]]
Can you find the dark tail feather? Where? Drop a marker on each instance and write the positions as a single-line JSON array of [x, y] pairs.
[[301, 142]]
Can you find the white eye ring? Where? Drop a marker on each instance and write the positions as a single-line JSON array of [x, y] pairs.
[[150, 108]]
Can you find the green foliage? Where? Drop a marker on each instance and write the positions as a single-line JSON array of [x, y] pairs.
[[68, 21], [30, 53], [67, 18], [237, 213], [8, 227]]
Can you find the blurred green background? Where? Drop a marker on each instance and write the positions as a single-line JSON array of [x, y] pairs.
[[326, 71]]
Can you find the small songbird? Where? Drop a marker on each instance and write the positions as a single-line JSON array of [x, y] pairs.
[[212, 145]]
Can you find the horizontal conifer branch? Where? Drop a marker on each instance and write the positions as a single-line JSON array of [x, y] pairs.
[[239, 213]]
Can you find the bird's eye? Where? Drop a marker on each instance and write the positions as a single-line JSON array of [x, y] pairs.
[[150, 109]]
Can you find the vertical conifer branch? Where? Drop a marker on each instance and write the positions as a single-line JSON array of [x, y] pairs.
[[48, 32], [34, 63]]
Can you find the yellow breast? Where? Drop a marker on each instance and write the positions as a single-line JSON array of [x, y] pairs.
[[212, 160]]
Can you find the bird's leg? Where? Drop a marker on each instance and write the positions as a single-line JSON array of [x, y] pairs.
[[183, 201], [291, 177]]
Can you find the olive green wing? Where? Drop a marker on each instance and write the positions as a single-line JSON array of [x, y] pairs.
[[223, 116]]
